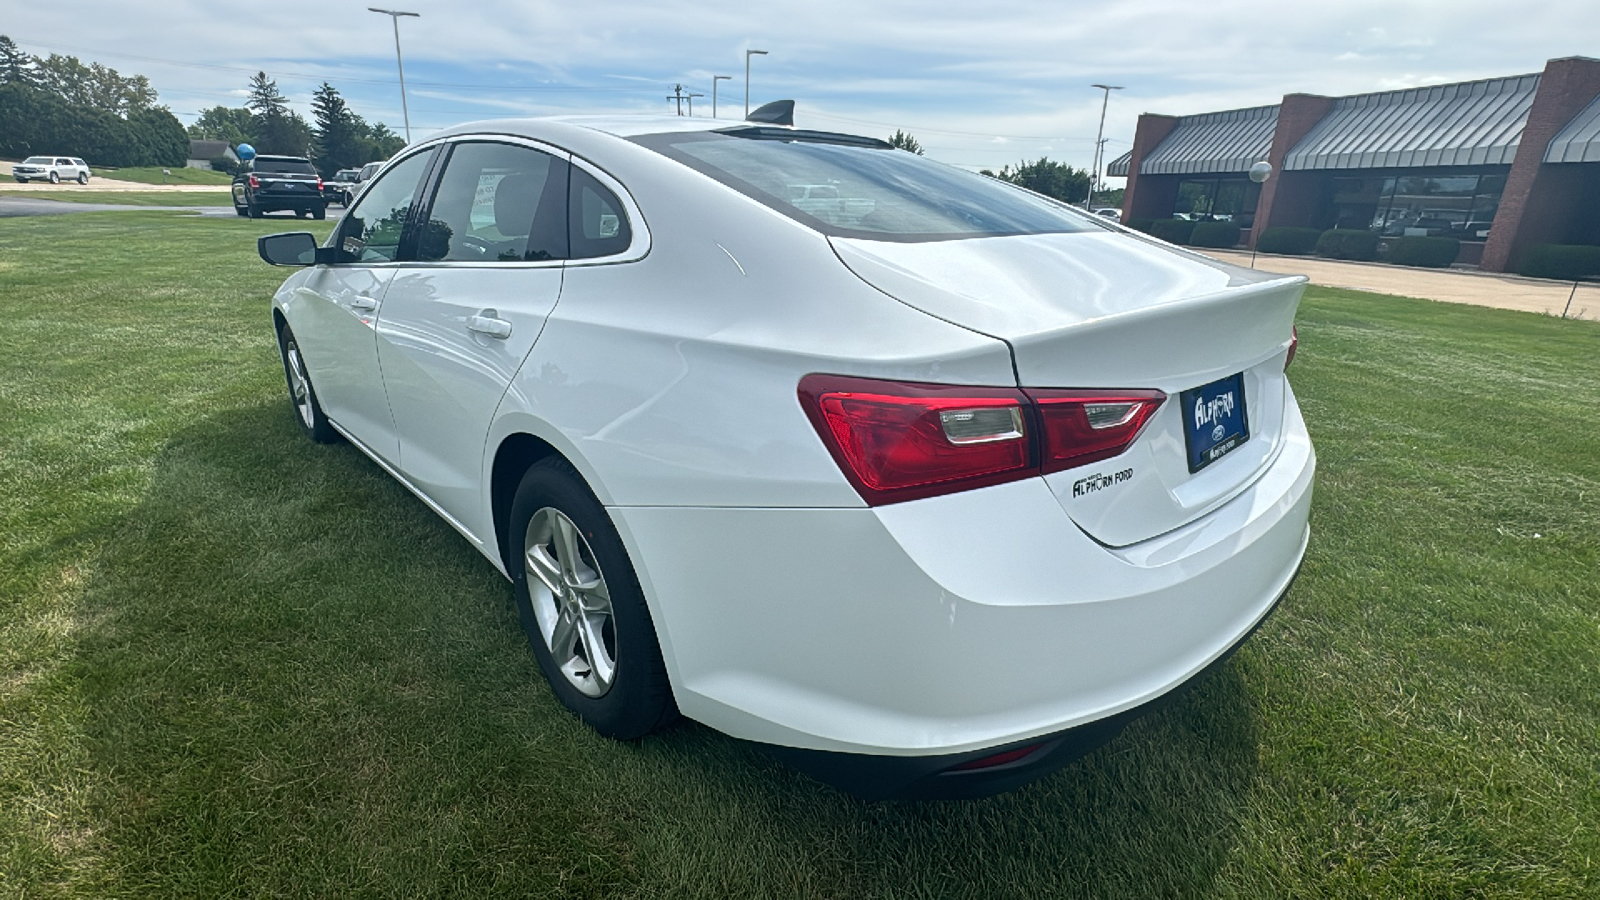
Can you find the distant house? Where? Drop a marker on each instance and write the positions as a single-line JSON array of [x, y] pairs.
[[201, 153]]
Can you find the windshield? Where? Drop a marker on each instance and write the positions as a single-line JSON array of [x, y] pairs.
[[868, 192], [39, 160], [284, 167]]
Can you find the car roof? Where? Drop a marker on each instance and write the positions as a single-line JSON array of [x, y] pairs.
[[275, 158]]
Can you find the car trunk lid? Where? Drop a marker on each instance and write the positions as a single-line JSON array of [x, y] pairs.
[[1117, 311]]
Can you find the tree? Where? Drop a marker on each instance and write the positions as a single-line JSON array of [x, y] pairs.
[[16, 67], [277, 128], [1053, 179], [340, 133], [906, 142], [380, 142], [225, 123], [94, 86]]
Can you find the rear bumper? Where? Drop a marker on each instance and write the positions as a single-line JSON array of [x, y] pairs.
[[947, 628], [956, 777]]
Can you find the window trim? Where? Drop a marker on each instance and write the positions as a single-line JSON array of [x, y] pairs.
[[435, 177]]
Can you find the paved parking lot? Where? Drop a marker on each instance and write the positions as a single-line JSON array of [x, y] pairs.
[[1536, 295]]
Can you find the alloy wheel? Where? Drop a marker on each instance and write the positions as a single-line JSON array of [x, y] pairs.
[[299, 384], [570, 602]]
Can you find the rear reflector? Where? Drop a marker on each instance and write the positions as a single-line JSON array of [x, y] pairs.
[[898, 441], [999, 759]]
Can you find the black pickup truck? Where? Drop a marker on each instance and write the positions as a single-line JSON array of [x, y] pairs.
[[271, 183]]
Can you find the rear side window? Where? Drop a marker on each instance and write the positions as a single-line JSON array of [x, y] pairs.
[[598, 227], [497, 203], [847, 190], [283, 167]]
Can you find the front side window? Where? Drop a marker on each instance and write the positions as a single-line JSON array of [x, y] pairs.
[[371, 231], [855, 190], [497, 203]]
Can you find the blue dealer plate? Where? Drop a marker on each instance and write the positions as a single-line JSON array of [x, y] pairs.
[[1214, 420]]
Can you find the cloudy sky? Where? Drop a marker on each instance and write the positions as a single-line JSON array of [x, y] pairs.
[[979, 85]]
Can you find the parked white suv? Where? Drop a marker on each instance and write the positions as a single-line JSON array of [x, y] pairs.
[[53, 169]]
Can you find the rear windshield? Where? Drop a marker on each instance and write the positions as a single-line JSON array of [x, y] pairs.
[[868, 192], [283, 167]]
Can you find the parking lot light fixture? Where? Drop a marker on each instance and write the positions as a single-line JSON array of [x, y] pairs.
[[714, 80], [394, 17], [747, 55]]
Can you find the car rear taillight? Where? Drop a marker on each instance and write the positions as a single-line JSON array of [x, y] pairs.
[[1294, 344], [898, 441], [255, 182], [319, 182], [1082, 427]]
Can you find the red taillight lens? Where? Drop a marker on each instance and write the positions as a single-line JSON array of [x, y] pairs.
[[319, 182], [897, 441], [255, 182], [1294, 344], [999, 759], [1082, 427]]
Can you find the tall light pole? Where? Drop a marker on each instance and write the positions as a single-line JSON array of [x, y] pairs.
[[1099, 138], [747, 55], [394, 17], [714, 80]]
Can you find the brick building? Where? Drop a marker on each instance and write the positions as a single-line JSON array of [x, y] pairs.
[[1501, 164]]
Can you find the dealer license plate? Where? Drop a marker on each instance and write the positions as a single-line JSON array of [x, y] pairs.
[[1214, 420]]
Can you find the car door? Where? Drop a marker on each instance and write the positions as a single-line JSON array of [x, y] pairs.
[[335, 310], [459, 320]]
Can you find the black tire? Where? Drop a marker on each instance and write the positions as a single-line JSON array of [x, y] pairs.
[[21, 180], [241, 211], [319, 213], [638, 699], [55, 177], [252, 210], [307, 409], [83, 177]]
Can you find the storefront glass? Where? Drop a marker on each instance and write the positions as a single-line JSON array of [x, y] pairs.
[[1443, 203]]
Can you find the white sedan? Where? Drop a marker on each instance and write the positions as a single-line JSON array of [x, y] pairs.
[[930, 487]]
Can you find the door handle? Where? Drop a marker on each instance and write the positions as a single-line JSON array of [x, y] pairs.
[[489, 324], [363, 304]]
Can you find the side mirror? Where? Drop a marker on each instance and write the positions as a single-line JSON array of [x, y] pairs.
[[295, 248]]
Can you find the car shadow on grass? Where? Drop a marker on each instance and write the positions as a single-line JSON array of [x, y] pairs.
[[298, 680]]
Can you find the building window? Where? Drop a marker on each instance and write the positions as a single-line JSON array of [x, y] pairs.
[[1219, 199], [1441, 203]]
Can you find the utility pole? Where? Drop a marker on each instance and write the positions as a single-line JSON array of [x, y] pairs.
[[714, 80], [690, 97], [747, 55], [1099, 140], [677, 96], [394, 16]]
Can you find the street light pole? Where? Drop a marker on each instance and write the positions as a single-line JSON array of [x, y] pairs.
[[714, 80], [747, 55], [394, 17], [1099, 139]]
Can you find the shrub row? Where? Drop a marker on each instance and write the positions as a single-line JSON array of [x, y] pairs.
[[1428, 252], [1348, 243], [1214, 234], [1568, 262], [1288, 241]]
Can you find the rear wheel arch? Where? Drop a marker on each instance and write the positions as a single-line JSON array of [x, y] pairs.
[[516, 454]]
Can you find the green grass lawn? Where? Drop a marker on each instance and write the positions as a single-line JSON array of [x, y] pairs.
[[233, 662], [179, 175], [131, 198]]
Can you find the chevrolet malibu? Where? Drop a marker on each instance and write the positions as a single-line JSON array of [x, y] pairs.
[[924, 481]]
